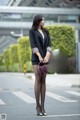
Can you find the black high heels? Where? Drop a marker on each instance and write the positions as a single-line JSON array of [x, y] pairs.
[[43, 112], [39, 113]]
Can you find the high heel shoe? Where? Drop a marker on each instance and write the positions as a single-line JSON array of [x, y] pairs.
[[39, 113], [43, 112]]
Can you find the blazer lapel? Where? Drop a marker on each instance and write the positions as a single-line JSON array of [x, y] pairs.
[[44, 36], [43, 40]]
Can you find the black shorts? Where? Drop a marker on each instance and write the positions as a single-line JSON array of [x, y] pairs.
[[35, 62]]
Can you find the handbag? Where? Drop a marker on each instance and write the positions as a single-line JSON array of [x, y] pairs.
[[42, 68]]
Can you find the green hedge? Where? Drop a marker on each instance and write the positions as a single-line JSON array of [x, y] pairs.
[[63, 38], [3, 68], [15, 67], [14, 54], [6, 58], [1, 59], [24, 51]]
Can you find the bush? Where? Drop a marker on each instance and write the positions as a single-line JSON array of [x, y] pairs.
[[13, 54], [11, 68], [3, 68], [29, 66], [24, 51], [1, 59], [63, 38], [6, 58], [14, 67]]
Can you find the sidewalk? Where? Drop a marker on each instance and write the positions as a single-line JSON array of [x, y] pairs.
[[64, 80]]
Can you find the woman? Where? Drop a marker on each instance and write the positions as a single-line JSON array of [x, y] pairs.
[[41, 51]]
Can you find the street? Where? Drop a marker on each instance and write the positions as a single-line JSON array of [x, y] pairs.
[[17, 100]]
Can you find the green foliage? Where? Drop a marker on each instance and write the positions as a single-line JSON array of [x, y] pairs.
[[11, 68], [1, 59], [3, 68], [24, 51], [63, 38], [29, 66], [13, 54], [6, 57], [15, 67]]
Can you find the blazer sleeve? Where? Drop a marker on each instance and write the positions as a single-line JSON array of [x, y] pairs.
[[33, 42], [49, 43]]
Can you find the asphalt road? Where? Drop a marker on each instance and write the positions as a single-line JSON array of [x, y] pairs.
[[17, 101]]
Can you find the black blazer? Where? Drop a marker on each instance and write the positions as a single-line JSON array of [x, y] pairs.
[[39, 44]]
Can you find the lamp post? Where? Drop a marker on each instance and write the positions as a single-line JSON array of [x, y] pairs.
[[77, 52], [12, 33]]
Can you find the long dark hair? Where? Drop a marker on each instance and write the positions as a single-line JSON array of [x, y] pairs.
[[37, 19]]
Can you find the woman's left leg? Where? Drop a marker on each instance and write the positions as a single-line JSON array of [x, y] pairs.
[[43, 93]]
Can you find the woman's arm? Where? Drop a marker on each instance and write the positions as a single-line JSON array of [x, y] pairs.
[[49, 50], [47, 57], [32, 42], [33, 45], [39, 56]]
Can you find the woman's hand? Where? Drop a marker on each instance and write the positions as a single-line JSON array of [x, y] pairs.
[[47, 57], [39, 56], [41, 59]]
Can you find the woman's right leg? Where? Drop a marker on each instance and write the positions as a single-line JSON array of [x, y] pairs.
[[37, 88]]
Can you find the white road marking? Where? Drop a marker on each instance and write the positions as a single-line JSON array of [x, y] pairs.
[[58, 97], [1, 102], [73, 92], [24, 97], [63, 115]]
